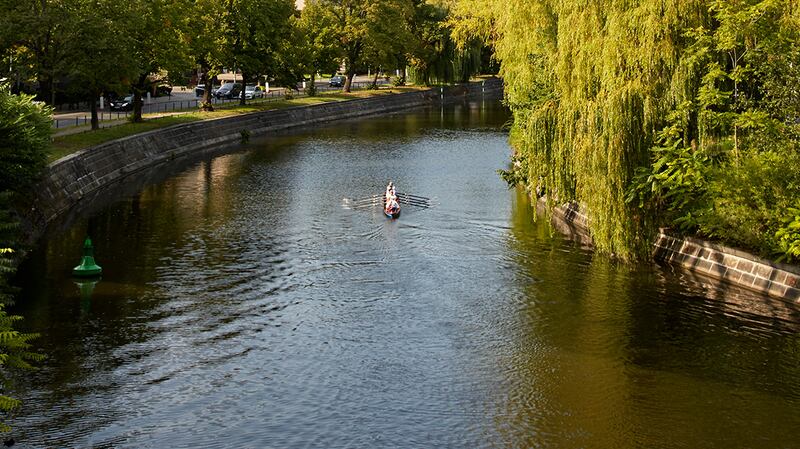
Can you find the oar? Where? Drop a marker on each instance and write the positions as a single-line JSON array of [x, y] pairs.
[[415, 203], [415, 200], [366, 198], [366, 201], [413, 196]]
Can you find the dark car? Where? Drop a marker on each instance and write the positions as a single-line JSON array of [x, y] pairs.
[[122, 104], [337, 81], [199, 90], [228, 90]]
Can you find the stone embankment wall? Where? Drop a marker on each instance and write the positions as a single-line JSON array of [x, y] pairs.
[[81, 175], [727, 264], [730, 265]]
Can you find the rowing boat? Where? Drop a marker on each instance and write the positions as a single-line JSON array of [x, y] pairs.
[[394, 214]]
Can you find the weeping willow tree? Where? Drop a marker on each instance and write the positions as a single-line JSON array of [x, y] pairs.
[[589, 83], [601, 89]]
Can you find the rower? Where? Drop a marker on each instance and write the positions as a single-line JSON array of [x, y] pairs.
[[392, 205], [390, 192]]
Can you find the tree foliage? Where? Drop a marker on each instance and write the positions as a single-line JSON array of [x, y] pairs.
[[435, 56], [250, 34], [157, 44], [36, 35], [366, 33], [315, 49], [100, 61]]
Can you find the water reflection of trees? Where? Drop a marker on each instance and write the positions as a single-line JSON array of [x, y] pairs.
[[607, 355]]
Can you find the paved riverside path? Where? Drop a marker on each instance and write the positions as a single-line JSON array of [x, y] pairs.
[[60, 132]]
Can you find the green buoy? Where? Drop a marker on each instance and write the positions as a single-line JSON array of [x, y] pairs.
[[87, 268]]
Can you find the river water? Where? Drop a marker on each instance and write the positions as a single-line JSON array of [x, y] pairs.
[[243, 306]]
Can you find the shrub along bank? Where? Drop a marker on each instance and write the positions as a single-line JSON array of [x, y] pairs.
[[24, 142]]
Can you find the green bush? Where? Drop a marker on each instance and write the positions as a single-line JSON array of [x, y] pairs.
[[789, 237], [24, 144], [749, 201], [674, 185], [24, 140]]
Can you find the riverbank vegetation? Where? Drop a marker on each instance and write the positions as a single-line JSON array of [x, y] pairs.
[[679, 113]]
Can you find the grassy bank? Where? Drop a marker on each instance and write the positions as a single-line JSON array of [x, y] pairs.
[[66, 145]]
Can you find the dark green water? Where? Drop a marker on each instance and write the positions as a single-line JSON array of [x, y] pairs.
[[243, 306]]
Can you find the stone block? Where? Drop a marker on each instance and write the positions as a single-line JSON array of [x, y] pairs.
[[791, 280], [761, 284], [747, 279], [717, 269], [765, 271], [745, 265], [730, 260], [702, 265], [792, 294]]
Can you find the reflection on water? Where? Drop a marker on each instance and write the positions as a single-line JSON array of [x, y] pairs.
[[242, 306]]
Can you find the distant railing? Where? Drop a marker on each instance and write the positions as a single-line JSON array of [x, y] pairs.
[[188, 105]]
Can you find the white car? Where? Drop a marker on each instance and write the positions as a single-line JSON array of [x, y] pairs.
[[251, 92]]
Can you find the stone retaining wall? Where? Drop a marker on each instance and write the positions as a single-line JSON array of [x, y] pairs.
[[79, 176], [727, 264]]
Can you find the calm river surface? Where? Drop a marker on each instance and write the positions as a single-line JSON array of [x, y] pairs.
[[242, 306]]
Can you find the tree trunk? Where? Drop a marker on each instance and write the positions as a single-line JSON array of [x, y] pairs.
[[136, 117], [207, 81], [312, 88], [351, 73], [375, 80], [242, 99], [44, 89], [52, 90], [138, 88], [93, 108]]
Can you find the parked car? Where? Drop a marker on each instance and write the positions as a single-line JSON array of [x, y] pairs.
[[122, 104], [337, 81], [253, 91], [228, 90], [200, 89]]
